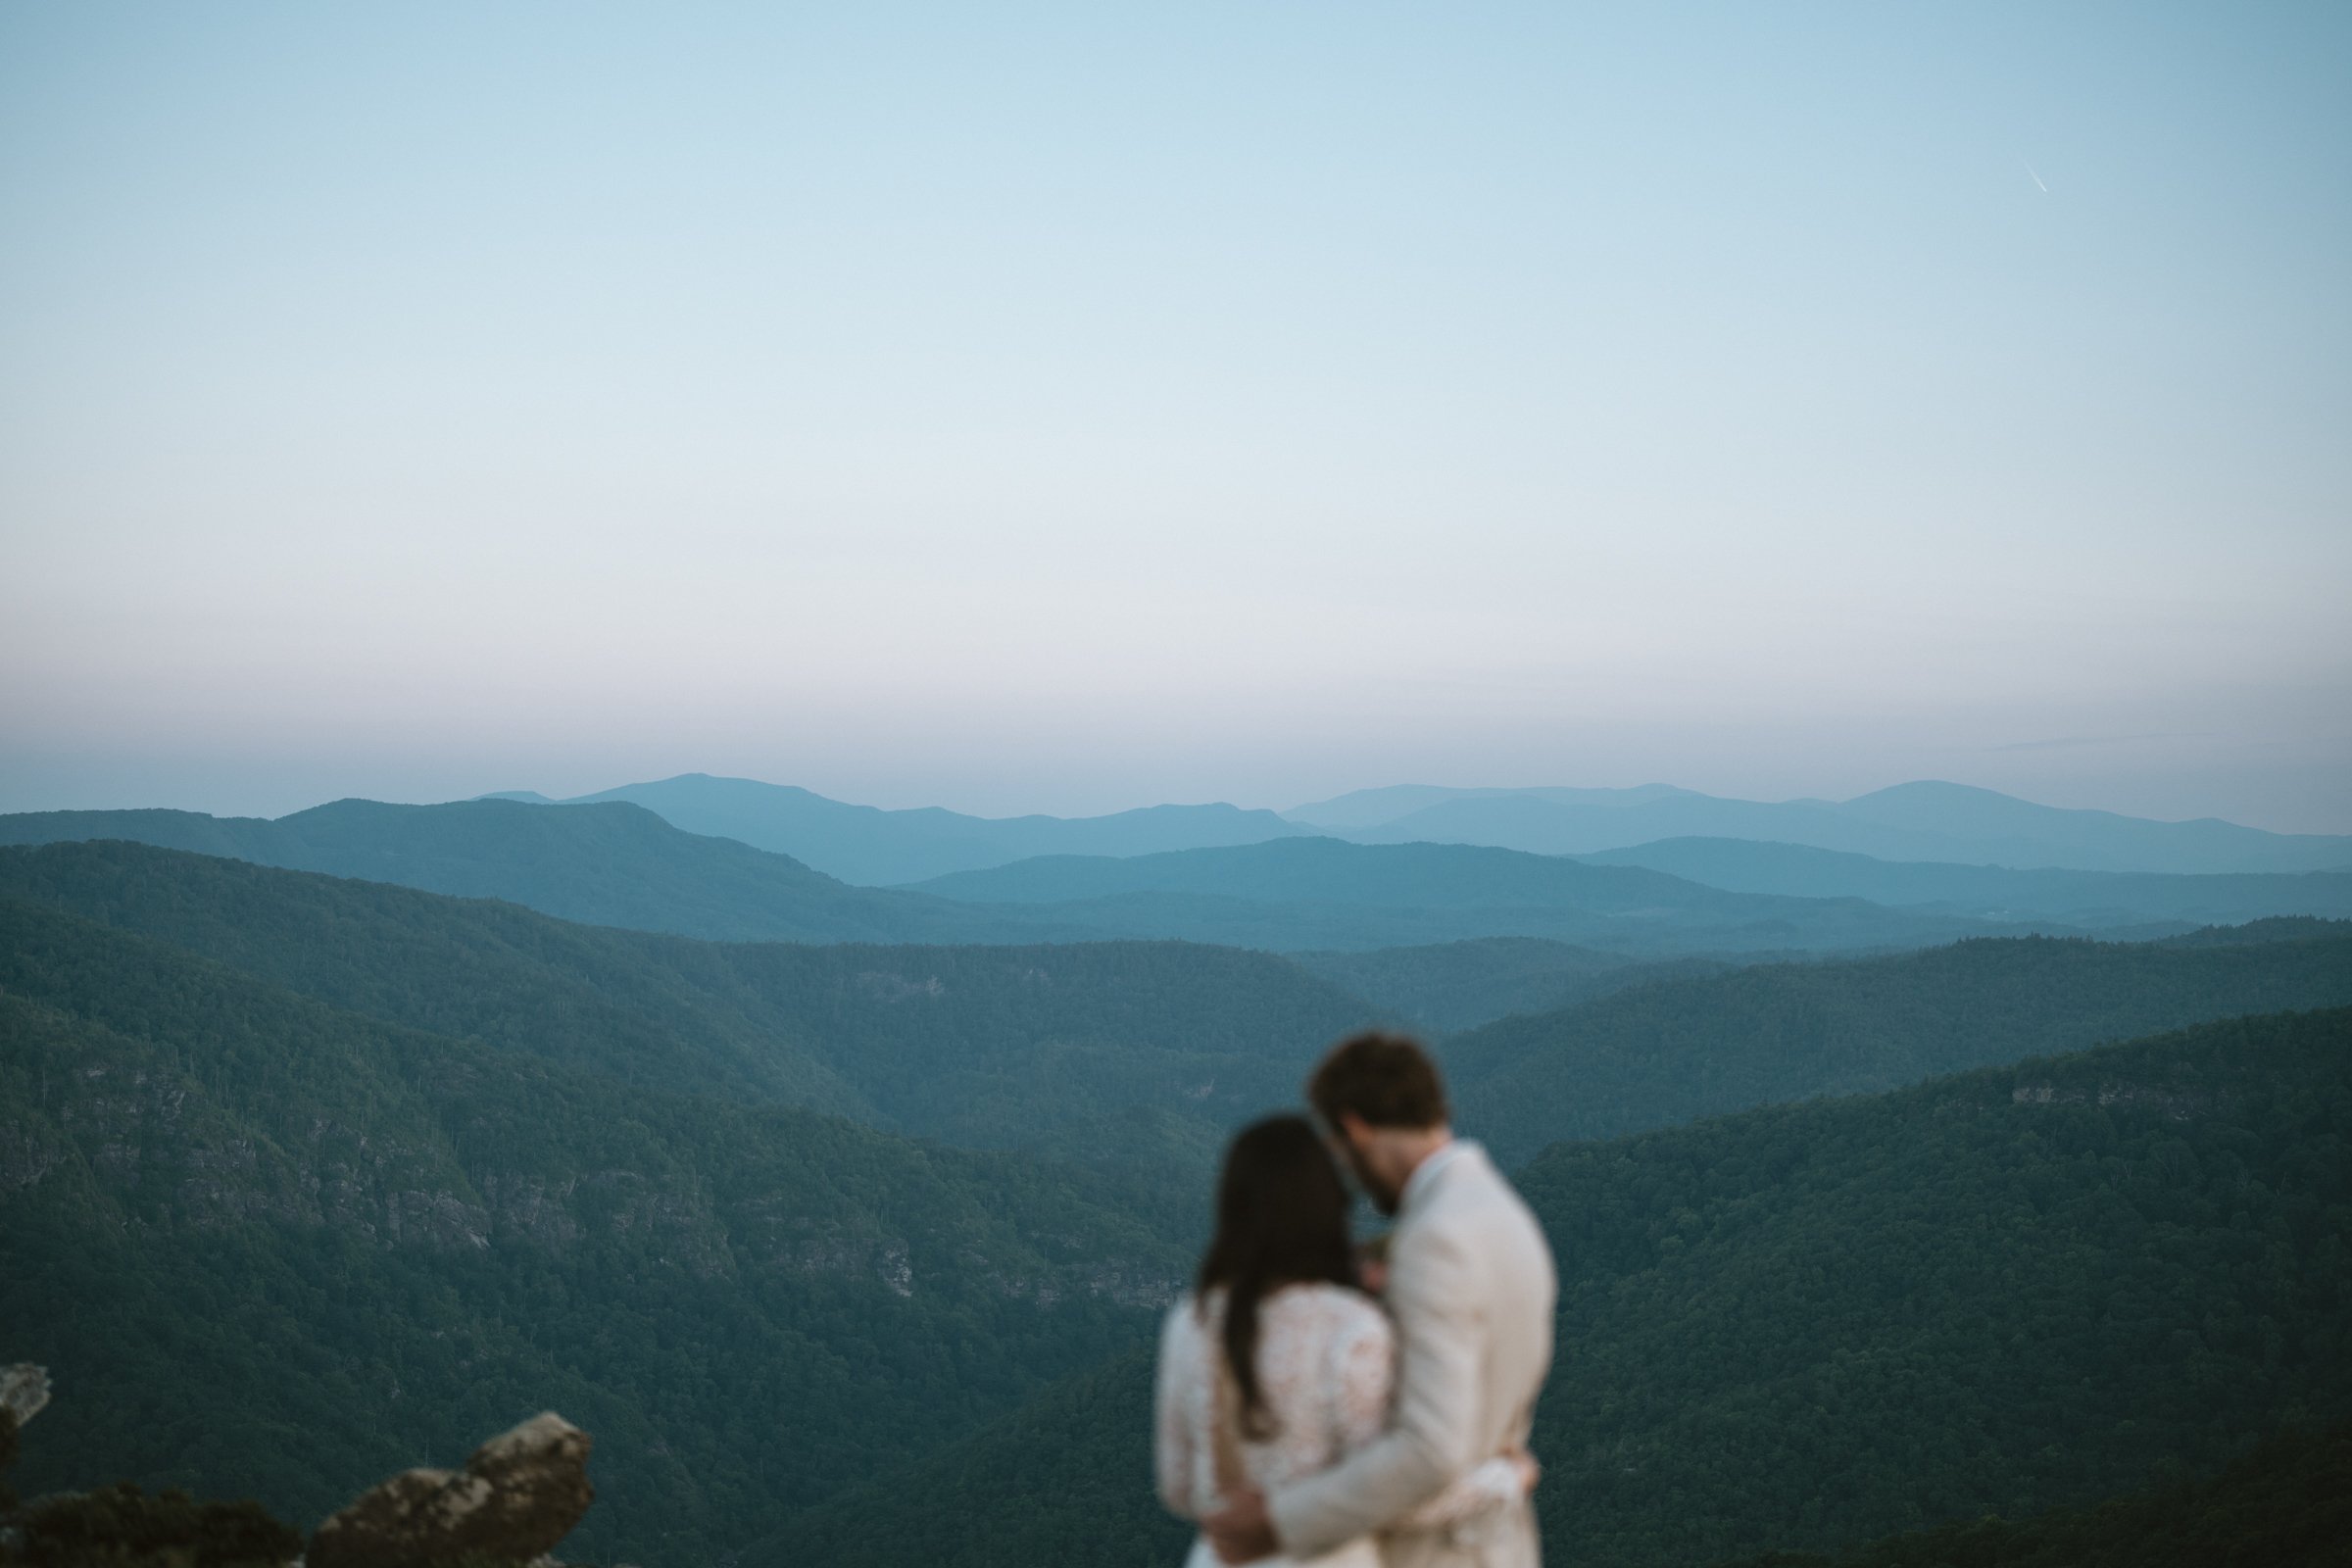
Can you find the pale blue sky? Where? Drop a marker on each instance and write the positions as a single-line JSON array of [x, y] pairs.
[[1067, 408]]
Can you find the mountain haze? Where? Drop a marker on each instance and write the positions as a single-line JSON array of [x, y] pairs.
[[1308, 893], [2085, 899], [874, 847], [620, 864], [1374, 808], [609, 864], [1920, 822]]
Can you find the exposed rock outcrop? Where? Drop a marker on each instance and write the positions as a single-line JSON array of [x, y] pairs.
[[2177, 1104], [519, 1495], [24, 1391]]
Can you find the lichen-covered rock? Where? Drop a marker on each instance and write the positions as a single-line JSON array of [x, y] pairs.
[[538, 1473], [519, 1495]]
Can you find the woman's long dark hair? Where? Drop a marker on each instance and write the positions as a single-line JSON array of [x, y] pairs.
[[1282, 1219]]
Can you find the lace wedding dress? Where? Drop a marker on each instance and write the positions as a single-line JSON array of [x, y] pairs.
[[1326, 1366]]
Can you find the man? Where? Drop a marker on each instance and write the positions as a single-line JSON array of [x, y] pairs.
[[1471, 1285]]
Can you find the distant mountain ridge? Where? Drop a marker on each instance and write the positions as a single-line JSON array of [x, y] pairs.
[[1924, 821], [874, 847], [610, 865], [620, 864], [2088, 898], [1330, 893]]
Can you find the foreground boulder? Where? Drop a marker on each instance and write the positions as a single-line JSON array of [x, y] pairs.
[[519, 1495]]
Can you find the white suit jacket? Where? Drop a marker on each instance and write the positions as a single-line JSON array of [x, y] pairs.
[[1471, 1286]]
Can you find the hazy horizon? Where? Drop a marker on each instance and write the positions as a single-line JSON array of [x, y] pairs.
[[1051, 409], [278, 807]]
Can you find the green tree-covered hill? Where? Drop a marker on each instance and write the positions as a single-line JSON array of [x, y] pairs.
[[2288, 1504], [2014, 1290], [271, 1247], [1110, 1049], [1451, 986], [1657, 1054], [1065, 1479], [605, 865], [304, 1179]]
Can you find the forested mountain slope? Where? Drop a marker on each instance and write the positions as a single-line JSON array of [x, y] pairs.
[[1302, 894], [1065, 1479], [1654, 1055], [2022, 1288], [613, 865], [2288, 1504], [1451, 986], [275, 1248], [2086, 899], [1113, 1049], [1809, 1326]]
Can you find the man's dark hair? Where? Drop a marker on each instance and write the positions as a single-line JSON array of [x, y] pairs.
[[1386, 1079]]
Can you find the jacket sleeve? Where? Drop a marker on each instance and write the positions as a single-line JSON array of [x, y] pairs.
[[1435, 1292], [1496, 1484]]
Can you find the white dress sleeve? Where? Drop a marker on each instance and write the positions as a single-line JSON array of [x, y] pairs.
[[1361, 1376], [1172, 1456]]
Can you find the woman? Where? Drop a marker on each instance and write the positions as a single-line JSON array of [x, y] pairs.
[[1277, 1366]]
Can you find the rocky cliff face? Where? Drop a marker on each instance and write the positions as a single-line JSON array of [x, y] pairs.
[[426, 1166]]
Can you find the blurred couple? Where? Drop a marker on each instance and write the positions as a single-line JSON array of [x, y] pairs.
[[1318, 1407]]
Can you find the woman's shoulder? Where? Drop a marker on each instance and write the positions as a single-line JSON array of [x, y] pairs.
[[1344, 1307], [1338, 1308]]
